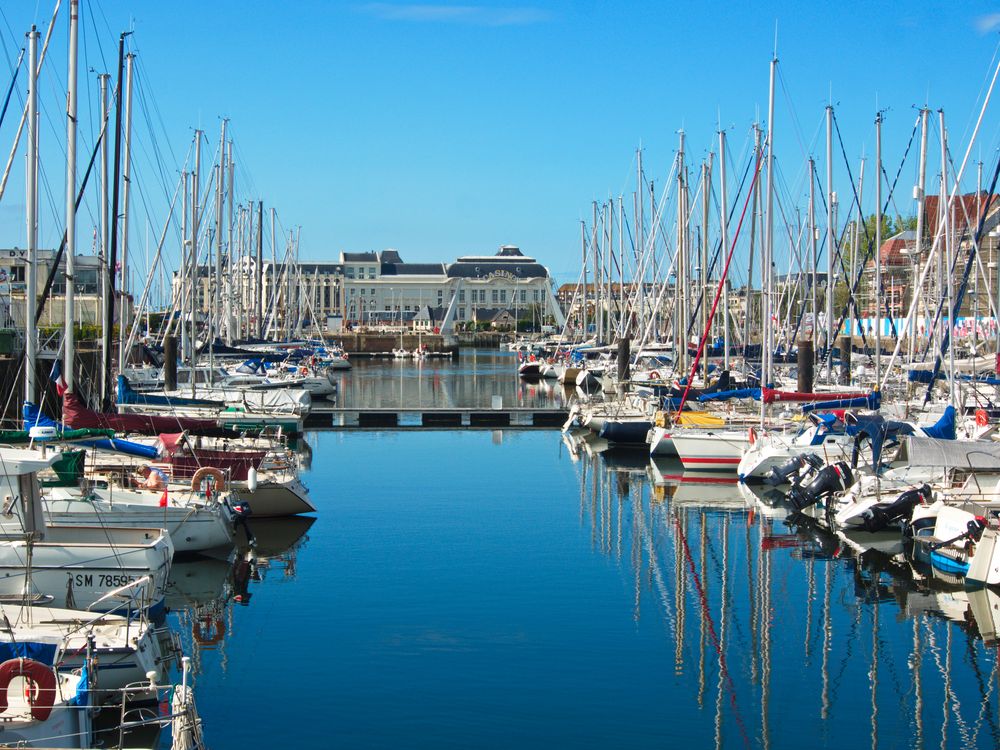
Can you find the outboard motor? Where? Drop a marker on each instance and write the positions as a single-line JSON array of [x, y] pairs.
[[834, 478], [879, 517], [786, 472]]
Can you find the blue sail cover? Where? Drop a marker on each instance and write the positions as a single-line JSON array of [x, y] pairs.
[[126, 395], [871, 401], [727, 395], [944, 428], [34, 417]]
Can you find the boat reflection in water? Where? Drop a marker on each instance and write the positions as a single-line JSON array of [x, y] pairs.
[[201, 592], [780, 628]]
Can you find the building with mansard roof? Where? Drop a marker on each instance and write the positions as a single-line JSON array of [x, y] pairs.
[[381, 289]]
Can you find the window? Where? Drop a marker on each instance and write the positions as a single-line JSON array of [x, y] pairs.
[[373, 292], [353, 290], [349, 273], [406, 308], [524, 295], [535, 295], [503, 296], [494, 296], [388, 308], [371, 272], [363, 291], [461, 295]]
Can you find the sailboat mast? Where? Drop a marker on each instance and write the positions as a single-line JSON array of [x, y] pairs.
[[949, 250], [71, 114], [109, 312], [221, 302], [123, 314], [878, 248], [259, 271], [813, 237], [918, 195], [767, 352], [103, 80], [724, 233], [31, 215], [831, 243]]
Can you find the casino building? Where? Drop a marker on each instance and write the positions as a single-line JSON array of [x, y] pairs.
[[381, 289]]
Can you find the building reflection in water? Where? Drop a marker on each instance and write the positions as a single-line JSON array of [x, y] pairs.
[[872, 643]]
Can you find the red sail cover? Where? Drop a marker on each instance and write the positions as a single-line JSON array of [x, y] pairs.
[[770, 396], [78, 416]]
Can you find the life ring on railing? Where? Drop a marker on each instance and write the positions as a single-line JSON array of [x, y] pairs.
[[208, 471], [200, 629], [41, 697], [655, 375], [982, 418], [303, 370], [752, 435]]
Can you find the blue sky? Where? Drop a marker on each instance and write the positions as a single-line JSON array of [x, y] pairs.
[[449, 128]]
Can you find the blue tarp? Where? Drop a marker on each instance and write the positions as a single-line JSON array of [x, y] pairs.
[[726, 395], [126, 395], [42, 652], [944, 428], [871, 401]]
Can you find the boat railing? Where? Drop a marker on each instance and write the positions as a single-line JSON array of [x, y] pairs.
[[142, 583]]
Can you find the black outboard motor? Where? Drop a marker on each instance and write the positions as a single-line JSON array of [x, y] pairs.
[[788, 471], [834, 478], [879, 517]]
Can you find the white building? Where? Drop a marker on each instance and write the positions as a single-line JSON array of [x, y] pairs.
[[379, 288]]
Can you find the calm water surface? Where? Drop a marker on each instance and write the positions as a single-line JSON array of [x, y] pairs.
[[478, 589]]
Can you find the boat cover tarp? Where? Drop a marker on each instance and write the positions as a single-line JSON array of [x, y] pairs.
[[43, 652], [75, 414], [33, 416], [871, 401], [125, 395], [944, 428], [727, 395], [920, 451]]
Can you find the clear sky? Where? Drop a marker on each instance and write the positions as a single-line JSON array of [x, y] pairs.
[[442, 128]]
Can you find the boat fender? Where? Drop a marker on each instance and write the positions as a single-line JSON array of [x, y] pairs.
[[752, 435], [204, 632], [655, 375], [252, 479], [982, 418], [43, 693], [219, 480]]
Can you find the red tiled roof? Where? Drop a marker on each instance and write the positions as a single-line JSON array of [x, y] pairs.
[[965, 212]]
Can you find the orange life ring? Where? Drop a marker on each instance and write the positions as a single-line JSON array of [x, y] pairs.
[[36, 673], [303, 370], [199, 628], [982, 418], [208, 471], [655, 375]]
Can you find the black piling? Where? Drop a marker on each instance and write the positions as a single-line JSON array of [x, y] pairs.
[[805, 363], [170, 363]]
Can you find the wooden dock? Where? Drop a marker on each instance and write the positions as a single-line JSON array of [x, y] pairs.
[[435, 418]]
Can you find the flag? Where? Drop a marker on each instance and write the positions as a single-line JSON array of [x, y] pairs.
[[163, 498], [55, 375]]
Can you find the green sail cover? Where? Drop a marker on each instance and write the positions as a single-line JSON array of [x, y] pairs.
[[17, 437]]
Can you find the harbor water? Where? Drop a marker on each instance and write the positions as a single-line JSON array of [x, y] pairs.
[[498, 589]]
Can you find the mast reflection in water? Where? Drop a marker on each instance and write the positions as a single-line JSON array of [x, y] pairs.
[[783, 635]]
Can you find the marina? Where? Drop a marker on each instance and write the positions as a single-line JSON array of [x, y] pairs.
[[708, 458]]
